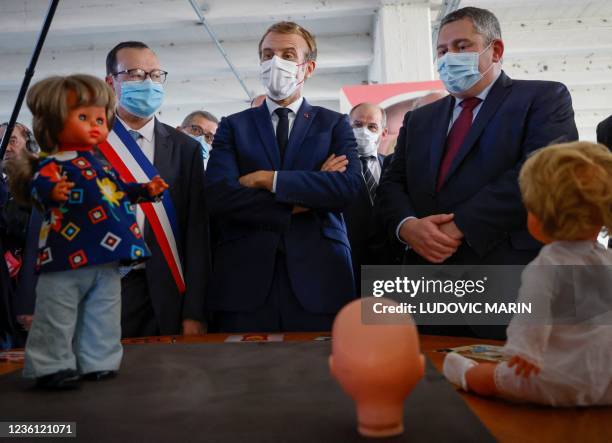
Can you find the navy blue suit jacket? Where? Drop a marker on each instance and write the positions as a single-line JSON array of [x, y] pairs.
[[481, 187], [254, 223]]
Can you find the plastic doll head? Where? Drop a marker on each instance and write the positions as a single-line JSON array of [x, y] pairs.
[[52, 101], [376, 364], [567, 190]]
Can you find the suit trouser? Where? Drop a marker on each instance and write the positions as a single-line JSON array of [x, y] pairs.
[[282, 311], [77, 322], [137, 313]]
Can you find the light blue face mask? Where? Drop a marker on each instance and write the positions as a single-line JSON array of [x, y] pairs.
[[459, 70], [203, 143], [142, 99]]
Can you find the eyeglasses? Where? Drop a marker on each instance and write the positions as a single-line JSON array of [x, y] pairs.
[[140, 75], [371, 126], [198, 131]]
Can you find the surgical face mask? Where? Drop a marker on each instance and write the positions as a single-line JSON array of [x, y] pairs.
[[280, 77], [459, 70], [142, 99], [367, 141], [203, 143]]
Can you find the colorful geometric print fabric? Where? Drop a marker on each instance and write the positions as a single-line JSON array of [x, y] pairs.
[[97, 224]]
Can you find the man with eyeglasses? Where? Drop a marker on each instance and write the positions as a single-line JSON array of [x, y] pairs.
[[151, 302], [201, 126]]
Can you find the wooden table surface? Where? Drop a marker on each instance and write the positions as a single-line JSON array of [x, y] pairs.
[[507, 422]]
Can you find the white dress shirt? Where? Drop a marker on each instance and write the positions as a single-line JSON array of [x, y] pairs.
[[293, 109], [456, 111]]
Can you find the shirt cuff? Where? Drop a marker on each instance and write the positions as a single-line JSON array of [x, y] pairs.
[[274, 182], [397, 231]]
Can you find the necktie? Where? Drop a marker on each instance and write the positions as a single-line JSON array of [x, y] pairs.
[[370, 181], [135, 134], [282, 130], [456, 136]]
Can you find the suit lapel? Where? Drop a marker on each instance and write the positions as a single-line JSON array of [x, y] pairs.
[[263, 123], [162, 160], [494, 99], [303, 119], [438, 138]]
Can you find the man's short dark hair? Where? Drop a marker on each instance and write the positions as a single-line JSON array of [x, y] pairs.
[[484, 21], [111, 58], [204, 114]]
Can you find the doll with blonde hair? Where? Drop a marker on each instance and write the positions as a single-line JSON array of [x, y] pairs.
[[562, 356], [89, 228]]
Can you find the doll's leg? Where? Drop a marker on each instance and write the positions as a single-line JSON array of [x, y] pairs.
[[470, 375], [49, 344], [98, 336], [481, 379]]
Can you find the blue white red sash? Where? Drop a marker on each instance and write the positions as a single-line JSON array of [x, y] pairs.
[[124, 154]]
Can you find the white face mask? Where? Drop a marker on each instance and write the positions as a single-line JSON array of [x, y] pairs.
[[280, 77], [367, 141]]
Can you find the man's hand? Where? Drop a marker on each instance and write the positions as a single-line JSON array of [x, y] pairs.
[[335, 164], [451, 229], [426, 238], [193, 327], [61, 190], [523, 367], [258, 180], [156, 186]]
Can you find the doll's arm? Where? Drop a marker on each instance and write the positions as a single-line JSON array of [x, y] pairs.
[[529, 334], [145, 192], [49, 187]]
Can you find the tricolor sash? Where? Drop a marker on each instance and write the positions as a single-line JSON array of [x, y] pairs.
[[124, 154]]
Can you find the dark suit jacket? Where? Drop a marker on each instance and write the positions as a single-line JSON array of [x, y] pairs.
[[369, 242], [253, 223], [178, 159], [604, 132], [481, 187], [6, 319]]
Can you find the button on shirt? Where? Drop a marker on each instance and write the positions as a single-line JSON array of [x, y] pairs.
[[293, 108], [456, 111], [147, 144]]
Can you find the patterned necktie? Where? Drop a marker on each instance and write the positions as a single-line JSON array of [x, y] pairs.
[[282, 130], [370, 181], [456, 136]]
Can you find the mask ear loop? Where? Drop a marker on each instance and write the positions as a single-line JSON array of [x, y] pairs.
[[492, 64], [302, 64]]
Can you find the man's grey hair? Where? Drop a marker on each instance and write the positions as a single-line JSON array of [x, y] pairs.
[[383, 121], [204, 114], [484, 21]]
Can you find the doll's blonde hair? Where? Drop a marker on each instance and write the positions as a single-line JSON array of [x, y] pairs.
[[48, 102], [568, 187]]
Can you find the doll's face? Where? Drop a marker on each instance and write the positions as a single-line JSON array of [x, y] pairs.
[[84, 125]]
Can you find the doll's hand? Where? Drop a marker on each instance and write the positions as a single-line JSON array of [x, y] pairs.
[[156, 186], [61, 190], [523, 367]]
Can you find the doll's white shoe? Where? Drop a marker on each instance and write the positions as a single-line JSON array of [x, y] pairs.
[[454, 368]]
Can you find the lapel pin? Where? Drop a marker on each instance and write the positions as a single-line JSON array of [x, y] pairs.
[[306, 114]]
